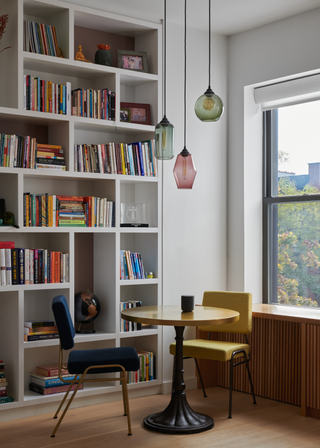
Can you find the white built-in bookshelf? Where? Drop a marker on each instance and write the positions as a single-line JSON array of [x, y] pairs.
[[94, 252]]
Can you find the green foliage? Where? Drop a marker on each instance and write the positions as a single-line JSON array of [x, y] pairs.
[[298, 248]]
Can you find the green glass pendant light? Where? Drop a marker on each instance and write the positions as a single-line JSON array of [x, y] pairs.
[[164, 132], [209, 106]]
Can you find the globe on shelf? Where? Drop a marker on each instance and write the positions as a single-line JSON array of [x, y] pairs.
[[87, 309]]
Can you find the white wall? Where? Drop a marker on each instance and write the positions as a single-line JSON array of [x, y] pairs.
[[195, 221], [286, 47]]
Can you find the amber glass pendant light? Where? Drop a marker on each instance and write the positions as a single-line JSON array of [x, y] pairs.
[[184, 169], [209, 106], [164, 130]]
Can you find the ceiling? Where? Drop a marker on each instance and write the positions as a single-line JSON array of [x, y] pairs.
[[228, 16]]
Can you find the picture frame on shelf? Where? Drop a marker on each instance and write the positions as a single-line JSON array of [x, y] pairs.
[[139, 112], [133, 60], [125, 115]]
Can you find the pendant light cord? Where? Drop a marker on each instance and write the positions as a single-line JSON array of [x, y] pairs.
[[185, 73], [165, 60], [209, 42]]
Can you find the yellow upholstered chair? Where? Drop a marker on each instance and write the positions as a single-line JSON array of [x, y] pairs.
[[235, 353]]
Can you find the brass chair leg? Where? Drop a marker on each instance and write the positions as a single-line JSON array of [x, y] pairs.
[[66, 408], [64, 399], [125, 394], [123, 376]]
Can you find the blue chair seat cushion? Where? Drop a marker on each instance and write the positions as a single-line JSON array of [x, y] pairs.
[[79, 360]]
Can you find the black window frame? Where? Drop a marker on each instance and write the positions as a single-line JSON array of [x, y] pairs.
[[269, 207]]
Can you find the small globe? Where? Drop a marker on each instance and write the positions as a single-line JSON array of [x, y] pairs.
[[87, 306]]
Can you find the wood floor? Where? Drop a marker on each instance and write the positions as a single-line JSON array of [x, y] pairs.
[[267, 424]]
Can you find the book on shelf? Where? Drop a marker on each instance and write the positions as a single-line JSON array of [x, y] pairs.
[[40, 38], [126, 325], [34, 266], [131, 265], [17, 151], [40, 323], [90, 103], [146, 370], [52, 390], [51, 370], [36, 330], [40, 336], [45, 381], [6, 399], [46, 96]]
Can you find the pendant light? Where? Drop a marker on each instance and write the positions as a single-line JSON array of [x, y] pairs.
[[209, 106], [184, 169], [164, 130]]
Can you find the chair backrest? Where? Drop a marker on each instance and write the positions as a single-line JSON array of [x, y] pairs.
[[238, 301], [63, 322]]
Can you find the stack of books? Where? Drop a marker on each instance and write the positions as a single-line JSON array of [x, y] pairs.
[[131, 266], [40, 38], [50, 157], [132, 159], [45, 380], [4, 398], [125, 325], [146, 370], [39, 330]]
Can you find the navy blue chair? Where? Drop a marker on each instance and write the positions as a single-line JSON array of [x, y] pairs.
[[81, 362]]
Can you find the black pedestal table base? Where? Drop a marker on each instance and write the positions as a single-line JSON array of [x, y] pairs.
[[178, 417]]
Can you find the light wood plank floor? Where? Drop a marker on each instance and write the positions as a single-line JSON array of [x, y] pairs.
[[267, 424]]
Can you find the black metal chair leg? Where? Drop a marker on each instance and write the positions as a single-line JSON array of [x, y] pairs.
[[230, 388], [250, 380], [200, 377]]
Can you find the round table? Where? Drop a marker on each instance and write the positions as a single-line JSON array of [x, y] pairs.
[[179, 417]]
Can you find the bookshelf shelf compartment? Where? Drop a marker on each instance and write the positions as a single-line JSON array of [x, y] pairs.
[[94, 252]]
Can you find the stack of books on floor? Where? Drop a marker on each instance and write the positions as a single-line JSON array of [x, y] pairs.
[[4, 398], [146, 371], [45, 380], [39, 330], [50, 157]]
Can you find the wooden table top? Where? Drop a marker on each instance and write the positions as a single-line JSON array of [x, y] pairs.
[[172, 315]]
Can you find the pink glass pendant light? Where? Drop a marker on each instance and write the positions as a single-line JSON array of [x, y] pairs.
[[184, 170]]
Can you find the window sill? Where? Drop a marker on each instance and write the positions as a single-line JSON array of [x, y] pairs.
[[286, 313]]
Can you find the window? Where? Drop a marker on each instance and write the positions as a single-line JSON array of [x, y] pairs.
[[291, 205]]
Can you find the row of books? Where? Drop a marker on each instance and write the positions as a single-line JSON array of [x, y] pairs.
[[40, 38], [100, 104], [131, 265], [46, 96], [67, 211], [126, 325], [146, 370], [17, 151], [133, 159], [4, 398], [24, 266], [45, 380], [38, 330]]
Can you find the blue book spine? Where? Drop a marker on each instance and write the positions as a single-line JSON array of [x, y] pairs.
[[140, 158], [50, 382]]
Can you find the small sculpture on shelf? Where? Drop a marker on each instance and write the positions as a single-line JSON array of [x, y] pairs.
[[80, 56], [103, 55], [87, 309]]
